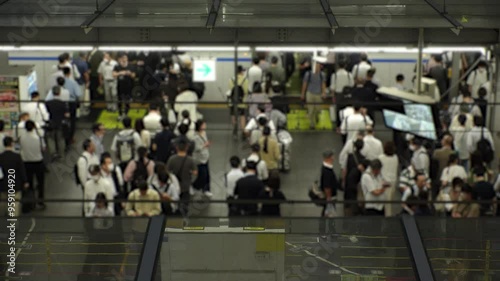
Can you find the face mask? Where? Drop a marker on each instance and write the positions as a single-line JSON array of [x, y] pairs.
[[481, 69], [413, 147], [95, 178], [111, 167]]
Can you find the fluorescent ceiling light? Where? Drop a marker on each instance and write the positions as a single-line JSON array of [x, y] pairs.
[[429, 50], [454, 49], [211, 49], [374, 50], [7, 48], [54, 48], [134, 48], [291, 49]]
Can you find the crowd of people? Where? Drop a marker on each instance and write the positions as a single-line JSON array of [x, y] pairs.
[[156, 164]]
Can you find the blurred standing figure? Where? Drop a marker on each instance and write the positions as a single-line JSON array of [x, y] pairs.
[[108, 81], [125, 74]]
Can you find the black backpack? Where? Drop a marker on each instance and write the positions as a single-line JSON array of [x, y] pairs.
[[140, 172], [240, 93], [75, 171], [485, 148]]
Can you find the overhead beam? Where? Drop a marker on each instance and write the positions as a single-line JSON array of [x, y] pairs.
[[88, 22], [444, 14], [4, 2], [213, 14], [332, 21]]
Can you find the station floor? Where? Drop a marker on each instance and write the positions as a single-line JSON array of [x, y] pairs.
[[307, 148]]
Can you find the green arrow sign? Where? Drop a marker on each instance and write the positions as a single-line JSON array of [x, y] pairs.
[[205, 69]]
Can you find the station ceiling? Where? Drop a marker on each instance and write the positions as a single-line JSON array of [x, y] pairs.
[[266, 21]]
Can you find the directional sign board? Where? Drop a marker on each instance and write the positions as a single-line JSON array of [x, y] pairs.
[[204, 70]]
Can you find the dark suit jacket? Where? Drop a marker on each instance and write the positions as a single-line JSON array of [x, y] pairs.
[[10, 160], [56, 109]]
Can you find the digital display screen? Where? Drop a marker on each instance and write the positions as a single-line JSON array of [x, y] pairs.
[[423, 114], [405, 123]]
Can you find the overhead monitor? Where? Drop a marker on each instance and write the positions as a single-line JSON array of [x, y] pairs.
[[405, 123]]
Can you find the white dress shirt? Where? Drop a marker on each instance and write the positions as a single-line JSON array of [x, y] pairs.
[[359, 71], [31, 147], [352, 124], [254, 75], [390, 166], [474, 136], [340, 80], [106, 70], [186, 100], [253, 124], [119, 177], [231, 178], [152, 122], [37, 111], [83, 163], [460, 141], [125, 133], [420, 160], [173, 190], [477, 79], [262, 173], [63, 95], [451, 172], [370, 183], [346, 150], [92, 188], [373, 147]]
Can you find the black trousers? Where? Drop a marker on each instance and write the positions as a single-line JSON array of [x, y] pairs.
[[36, 169], [124, 98], [59, 133], [73, 106]]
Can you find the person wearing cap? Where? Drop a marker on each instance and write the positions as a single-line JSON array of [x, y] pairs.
[[328, 182], [242, 81], [313, 92], [374, 189], [467, 208], [249, 187], [37, 110]]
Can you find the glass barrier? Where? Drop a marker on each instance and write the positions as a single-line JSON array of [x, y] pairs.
[[57, 249]]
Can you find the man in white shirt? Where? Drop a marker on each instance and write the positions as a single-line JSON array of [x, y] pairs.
[[87, 159], [359, 71], [340, 80], [97, 184], [126, 143], [37, 110], [64, 62], [186, 100], [400, 81], [32, 147], [108, 81], [419, 186], [114, 175], [354, 123], [374, 189], [465, 103], [476, 133], [373, 146], [477, 78], [420, 159], [232, 178], [262, 172], [63, 95], [349, 148], [254, 74], [169, 190], [152, 119]]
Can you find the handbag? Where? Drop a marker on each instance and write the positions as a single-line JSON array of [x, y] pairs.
[[315, 193]]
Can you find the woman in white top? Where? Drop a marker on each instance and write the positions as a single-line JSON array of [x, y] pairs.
[[143, 133], [390, 166], [454, 170]]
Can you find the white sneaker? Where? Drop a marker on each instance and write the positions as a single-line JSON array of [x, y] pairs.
[[208, 194]]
